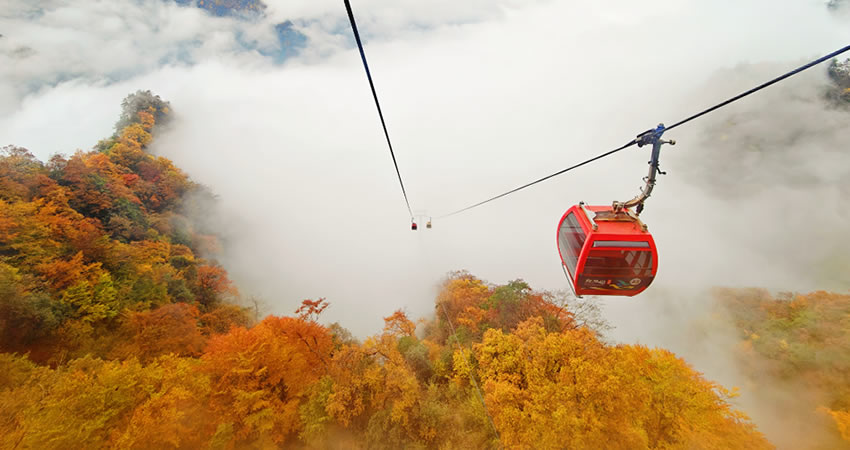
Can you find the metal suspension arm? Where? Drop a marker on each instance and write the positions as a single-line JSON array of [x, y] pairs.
[[653, 137]]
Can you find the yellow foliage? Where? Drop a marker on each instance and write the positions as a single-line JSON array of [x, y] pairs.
[[568, 390], [471, 317], [842, 422]]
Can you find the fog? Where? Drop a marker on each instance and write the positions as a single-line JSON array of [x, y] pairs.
[[479, 97]]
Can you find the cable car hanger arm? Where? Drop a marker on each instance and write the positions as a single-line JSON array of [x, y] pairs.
[[653, 137]]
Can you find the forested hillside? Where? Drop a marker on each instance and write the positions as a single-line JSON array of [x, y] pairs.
[[800, 345], [120, 330], [92, 244]]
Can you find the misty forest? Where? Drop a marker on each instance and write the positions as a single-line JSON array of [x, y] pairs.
[[230, 268]]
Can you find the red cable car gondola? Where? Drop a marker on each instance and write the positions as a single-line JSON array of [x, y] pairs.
[[606, 253], [607, 250]]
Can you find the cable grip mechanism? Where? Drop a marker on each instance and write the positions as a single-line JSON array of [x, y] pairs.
[[648, 137]]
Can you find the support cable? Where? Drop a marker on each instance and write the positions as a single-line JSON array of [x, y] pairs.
[[576, 166], [681, 122], [377, 103], [761, 86]]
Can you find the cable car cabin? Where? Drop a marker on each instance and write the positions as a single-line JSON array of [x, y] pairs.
[[413, 226], [606, 253]]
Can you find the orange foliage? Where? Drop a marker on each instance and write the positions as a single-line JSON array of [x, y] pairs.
[[212, 283], [175, 414], [169, 329], [387, 393], [460, 293], [284, 383], [222, 318], [569, 390], [20, 174], [310, 309], [62, 274], [96, 233], [842, 422], [261, 375], [399, 325]]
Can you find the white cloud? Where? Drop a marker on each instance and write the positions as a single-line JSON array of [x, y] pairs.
[[103, 41]]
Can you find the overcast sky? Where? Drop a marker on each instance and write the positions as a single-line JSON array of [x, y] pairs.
[[480, 96]]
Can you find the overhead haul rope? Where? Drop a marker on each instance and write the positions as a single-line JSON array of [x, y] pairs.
[[627, 145], [681, 122], [409, 210], [761, 86], [377, 103]]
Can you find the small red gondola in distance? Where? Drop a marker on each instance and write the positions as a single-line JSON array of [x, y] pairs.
[[606, 253]]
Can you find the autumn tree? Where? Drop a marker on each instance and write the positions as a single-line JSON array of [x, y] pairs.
[[375, 390], [566, 389], [459, 304], [169, 329], [25, 315], [260, 376], [142, 101], [21, 174], [92, 403]]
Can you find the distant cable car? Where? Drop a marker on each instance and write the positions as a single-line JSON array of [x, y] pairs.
[[419, 217], [607, 250]]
